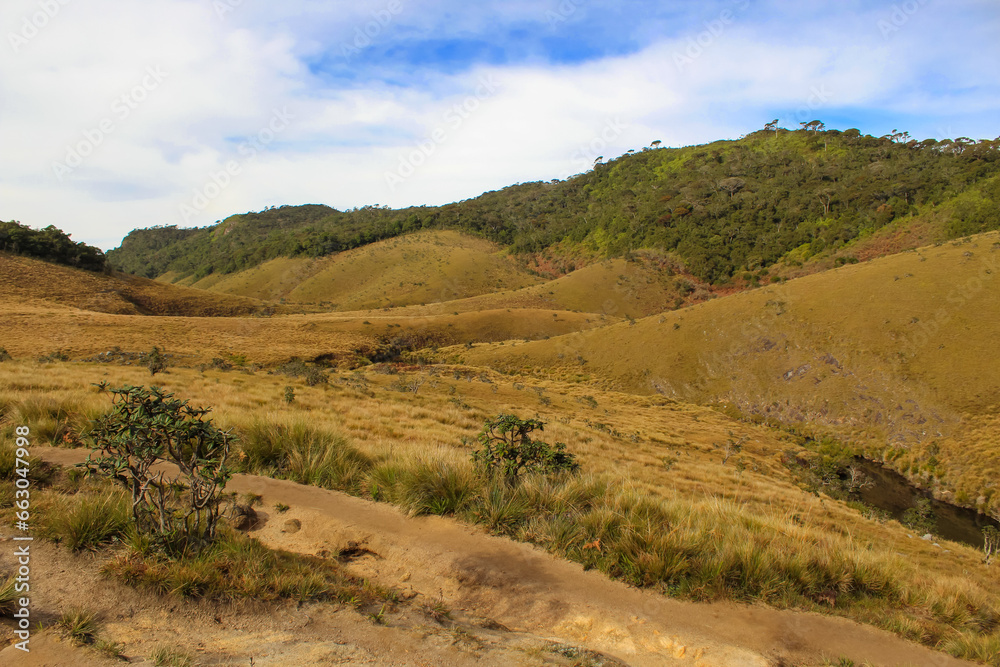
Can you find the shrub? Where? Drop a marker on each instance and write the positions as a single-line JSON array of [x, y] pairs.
[[148, 426], [921, 517], [991, 543], [289, 395], [507, 450], [155, 361], [4, 355]]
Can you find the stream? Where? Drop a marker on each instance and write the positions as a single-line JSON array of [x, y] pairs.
[[894, 494]]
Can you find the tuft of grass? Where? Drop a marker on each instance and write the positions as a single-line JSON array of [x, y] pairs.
[[303, 454], [80, 625], [165, 656], [8, 596], [91, 521], [437, 488], [110, 648]]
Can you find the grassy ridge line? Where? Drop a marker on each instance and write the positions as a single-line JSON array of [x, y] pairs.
[[896, 353], [724, 208]]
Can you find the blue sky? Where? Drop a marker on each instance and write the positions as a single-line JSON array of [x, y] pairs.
[[121, 115]]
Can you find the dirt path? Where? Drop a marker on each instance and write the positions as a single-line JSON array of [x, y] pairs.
[[500, 584]]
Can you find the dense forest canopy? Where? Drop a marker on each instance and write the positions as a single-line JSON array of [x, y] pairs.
[[723, 207], [50, 244]]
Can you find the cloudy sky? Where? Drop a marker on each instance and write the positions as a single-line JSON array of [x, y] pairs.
[[116, 115]]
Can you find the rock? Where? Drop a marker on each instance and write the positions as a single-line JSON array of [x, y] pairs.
[[242, 517], [292, 526], [927, 538]]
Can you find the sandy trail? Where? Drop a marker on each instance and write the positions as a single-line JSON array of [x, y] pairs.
[[527, 590]]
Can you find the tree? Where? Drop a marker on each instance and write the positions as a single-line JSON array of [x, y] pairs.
[[773, 125], [655, 144], [149, 427], [507, 450], [814, 126], [155, 361], [991, 543]]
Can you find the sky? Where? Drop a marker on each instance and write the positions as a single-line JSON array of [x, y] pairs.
[[118, 115]]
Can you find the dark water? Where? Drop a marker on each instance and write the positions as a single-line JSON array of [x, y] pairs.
[[894, 494]]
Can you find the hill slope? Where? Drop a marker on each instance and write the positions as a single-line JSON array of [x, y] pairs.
[[427, 266], [25, 281], [897, 353]]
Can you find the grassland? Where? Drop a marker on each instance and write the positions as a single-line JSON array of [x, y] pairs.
[[423, 267], [738, 528], [25, 280], [895, 354]]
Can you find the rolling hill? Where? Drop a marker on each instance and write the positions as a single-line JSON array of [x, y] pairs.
[[24, 281], [895, 353], [424, 267]]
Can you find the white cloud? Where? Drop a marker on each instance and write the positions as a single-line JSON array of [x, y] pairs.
[[225, 79]]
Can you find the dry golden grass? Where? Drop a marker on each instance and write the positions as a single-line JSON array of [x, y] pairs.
[[423, 267], [893, 353], [30, 281], [664, 452]]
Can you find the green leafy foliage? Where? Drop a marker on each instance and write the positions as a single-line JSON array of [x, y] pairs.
[[50, 244], [920, 517], [147, 427], [725, 208], [507, 450]]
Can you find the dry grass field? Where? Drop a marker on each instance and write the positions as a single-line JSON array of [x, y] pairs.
[[896, 354], [687, 424]]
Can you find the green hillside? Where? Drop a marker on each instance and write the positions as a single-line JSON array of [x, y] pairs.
[[726, 209]]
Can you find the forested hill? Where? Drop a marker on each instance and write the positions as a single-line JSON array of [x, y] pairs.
[[723, 207], [50, 244]]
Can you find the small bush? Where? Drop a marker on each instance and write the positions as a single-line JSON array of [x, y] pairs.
[[507, 450], [4, 355], [155, 361]]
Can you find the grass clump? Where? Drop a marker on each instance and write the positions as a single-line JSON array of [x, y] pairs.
[[164, 656], [80, 625], [8, 595], [303, 454], [91, 521]]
